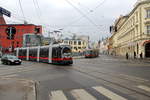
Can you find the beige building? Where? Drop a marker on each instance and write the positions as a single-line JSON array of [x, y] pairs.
[[77, 45], [131, 33]]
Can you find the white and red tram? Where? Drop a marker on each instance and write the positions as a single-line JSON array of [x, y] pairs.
[[55, 54]]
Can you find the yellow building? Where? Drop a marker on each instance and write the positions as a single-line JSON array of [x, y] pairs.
[[131, 33], [77, 45]]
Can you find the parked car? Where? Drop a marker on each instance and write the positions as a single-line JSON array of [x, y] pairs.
[[10, 59]]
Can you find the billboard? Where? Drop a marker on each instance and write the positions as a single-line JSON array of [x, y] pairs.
[[5, 12], [30, 40]]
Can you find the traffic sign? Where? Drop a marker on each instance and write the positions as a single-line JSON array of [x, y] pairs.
[[10, 31], [5, 12]]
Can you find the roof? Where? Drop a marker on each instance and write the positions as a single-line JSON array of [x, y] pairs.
[[18, 25], [120, 18], [140, 3]]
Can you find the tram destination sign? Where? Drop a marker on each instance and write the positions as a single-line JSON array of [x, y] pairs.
[[5, 12]]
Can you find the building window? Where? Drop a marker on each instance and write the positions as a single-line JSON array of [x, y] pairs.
[[148, 13], [17, 44], [75, 42], [137, 16], [79, 43], [148, 29], [69, 42], [75, 48], [66, 42], [83, 43]]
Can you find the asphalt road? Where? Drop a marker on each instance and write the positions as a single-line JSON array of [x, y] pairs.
[[102, 78]]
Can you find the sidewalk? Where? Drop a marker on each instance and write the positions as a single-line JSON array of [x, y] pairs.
[[17, 89], [145, 60]]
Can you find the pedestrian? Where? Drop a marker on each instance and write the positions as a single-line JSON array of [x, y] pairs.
[[134, 55], [127, 56], [141, 55]]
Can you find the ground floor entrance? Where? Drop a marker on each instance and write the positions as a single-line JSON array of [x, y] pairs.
[[147, 50]]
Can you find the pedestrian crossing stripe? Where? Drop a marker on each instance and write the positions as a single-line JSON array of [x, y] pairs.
[[57, 95], [144, 88], [82, 94], [108, 93]]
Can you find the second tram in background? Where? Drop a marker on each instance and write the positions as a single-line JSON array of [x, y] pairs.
[[91, 53], [55, 54]]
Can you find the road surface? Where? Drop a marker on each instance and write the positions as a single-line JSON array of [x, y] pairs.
[[102, 78]]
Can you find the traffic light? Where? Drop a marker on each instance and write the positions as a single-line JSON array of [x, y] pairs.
[[10, 31]]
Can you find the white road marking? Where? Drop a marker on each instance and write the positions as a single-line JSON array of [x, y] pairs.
[[81, 94], [144, 88], [57, 95], [134, 78], [108, 93]]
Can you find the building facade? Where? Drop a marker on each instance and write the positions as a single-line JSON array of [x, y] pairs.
[[131, 34], [76, 45], [11, 35]]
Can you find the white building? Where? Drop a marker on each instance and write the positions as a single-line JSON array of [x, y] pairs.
[[104, 46]]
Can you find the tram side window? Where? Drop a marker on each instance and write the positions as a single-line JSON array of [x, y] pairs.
[[44, 52], [56, 52], [91, 52], [33, 52], [59, 52], [22, 52]]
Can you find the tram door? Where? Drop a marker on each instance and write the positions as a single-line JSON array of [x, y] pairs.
[[44, 55], [147, 50], [33, 54], [56, 54]]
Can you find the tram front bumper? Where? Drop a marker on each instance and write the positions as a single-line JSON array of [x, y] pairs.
[[66, 62]]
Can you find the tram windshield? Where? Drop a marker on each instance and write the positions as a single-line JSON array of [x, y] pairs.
[[88, 52], [66, 52]]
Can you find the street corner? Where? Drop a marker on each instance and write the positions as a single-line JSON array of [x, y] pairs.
[[17, 89]]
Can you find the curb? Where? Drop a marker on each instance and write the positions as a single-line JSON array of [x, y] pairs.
[[132, 59], [80, 57]]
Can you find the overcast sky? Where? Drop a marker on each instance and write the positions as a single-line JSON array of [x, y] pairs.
[[83, 17]]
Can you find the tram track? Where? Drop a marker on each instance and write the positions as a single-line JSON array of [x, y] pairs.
[[114, 83], [121, 76]]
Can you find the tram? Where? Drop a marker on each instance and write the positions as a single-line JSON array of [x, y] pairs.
[[91, 53], [55, 54]]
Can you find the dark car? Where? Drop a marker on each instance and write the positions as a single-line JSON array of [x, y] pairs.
[[10, 59]]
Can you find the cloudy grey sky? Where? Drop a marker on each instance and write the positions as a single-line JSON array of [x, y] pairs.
[[83, 17]]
